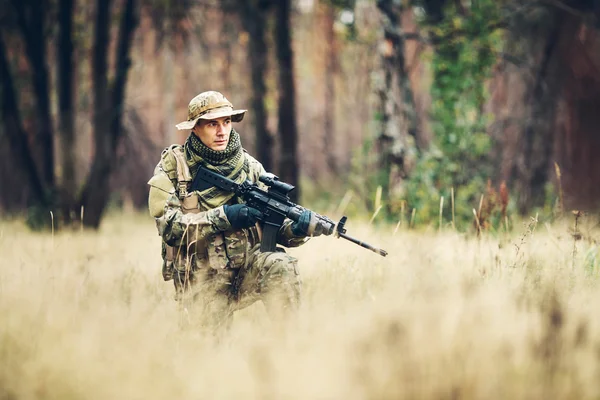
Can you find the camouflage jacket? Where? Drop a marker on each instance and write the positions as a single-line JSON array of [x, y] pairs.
[[194, 236]]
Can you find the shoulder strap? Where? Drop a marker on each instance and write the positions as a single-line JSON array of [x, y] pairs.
[[246, 166], [175, 165]]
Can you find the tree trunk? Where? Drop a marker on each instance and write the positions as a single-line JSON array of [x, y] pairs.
[[107, 117], [228, 35], [13, 128], [288, 131], [254, 19], [31, 21], [399, 123], [95, 194], [577, 143], [407, 98], [536, 147], [66, 110], [331, 68]]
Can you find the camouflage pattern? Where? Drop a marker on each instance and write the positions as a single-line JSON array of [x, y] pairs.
[[210, 297], [211, 263], [273, 277], [210, 105]]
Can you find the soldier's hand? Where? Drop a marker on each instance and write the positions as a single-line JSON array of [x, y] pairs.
[[307, 225], [241, 216]]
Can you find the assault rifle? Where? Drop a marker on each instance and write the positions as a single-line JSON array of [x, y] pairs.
[[275, 205]]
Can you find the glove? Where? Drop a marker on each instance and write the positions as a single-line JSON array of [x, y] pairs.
[[241, 216], [307, 225]]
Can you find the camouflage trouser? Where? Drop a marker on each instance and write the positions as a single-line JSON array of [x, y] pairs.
[[210, 296]]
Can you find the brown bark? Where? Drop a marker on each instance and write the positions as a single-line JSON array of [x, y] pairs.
[[94, 195], [537, 142], [577, 143], [66, 110], [254, 19], [287, 127], [331, 68], [107, 117], [546, 112], [226, 38], [534, 112], [13, 129], [31, 21], [399, 121], [407, 98]]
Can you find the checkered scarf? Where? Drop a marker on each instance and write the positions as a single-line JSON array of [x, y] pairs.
[[229, 162]]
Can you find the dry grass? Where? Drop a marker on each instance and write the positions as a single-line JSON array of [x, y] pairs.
[[444, 316]]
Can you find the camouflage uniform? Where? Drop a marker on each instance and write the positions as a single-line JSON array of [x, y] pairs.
[[217, 269]]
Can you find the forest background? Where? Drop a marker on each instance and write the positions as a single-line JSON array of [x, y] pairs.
[[402, 108]]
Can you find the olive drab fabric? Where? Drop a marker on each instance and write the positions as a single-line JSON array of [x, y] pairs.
[[199, 245]]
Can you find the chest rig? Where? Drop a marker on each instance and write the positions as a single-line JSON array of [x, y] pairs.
[[219, 250]]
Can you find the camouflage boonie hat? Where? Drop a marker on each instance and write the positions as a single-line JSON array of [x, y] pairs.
[[210, 105]]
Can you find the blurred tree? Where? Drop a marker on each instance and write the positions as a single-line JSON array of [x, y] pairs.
[[173, 30], [545, 43], [34, 152], [31, 20], [328, 13], [108, 105], [12, 127], [533, 162], [254, 17], [465, 45], [170, 19], [546, 115], [66, 108], [399, 124], [287, 127]]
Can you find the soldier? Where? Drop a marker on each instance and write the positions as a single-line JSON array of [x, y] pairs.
[[210, 239]]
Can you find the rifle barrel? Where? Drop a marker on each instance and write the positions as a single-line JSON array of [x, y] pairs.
[[381, 252]]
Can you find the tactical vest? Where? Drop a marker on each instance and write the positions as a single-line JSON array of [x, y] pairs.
[[228, 249]]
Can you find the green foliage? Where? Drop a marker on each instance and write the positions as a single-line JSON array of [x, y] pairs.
[[464, 55], [366, 174], [345, 15], [592, 260]]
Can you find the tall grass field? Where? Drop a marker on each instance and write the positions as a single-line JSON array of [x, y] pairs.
[[446, 315]]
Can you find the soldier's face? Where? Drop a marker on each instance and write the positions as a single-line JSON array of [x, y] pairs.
[[214, 133]]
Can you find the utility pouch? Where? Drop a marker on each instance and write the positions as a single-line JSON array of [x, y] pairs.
[[236, 247], [217, 256], [189, 204]]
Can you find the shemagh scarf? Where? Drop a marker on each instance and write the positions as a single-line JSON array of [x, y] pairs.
[[229, 162]]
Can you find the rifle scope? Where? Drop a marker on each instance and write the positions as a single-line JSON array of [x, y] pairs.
[[273, 182]]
